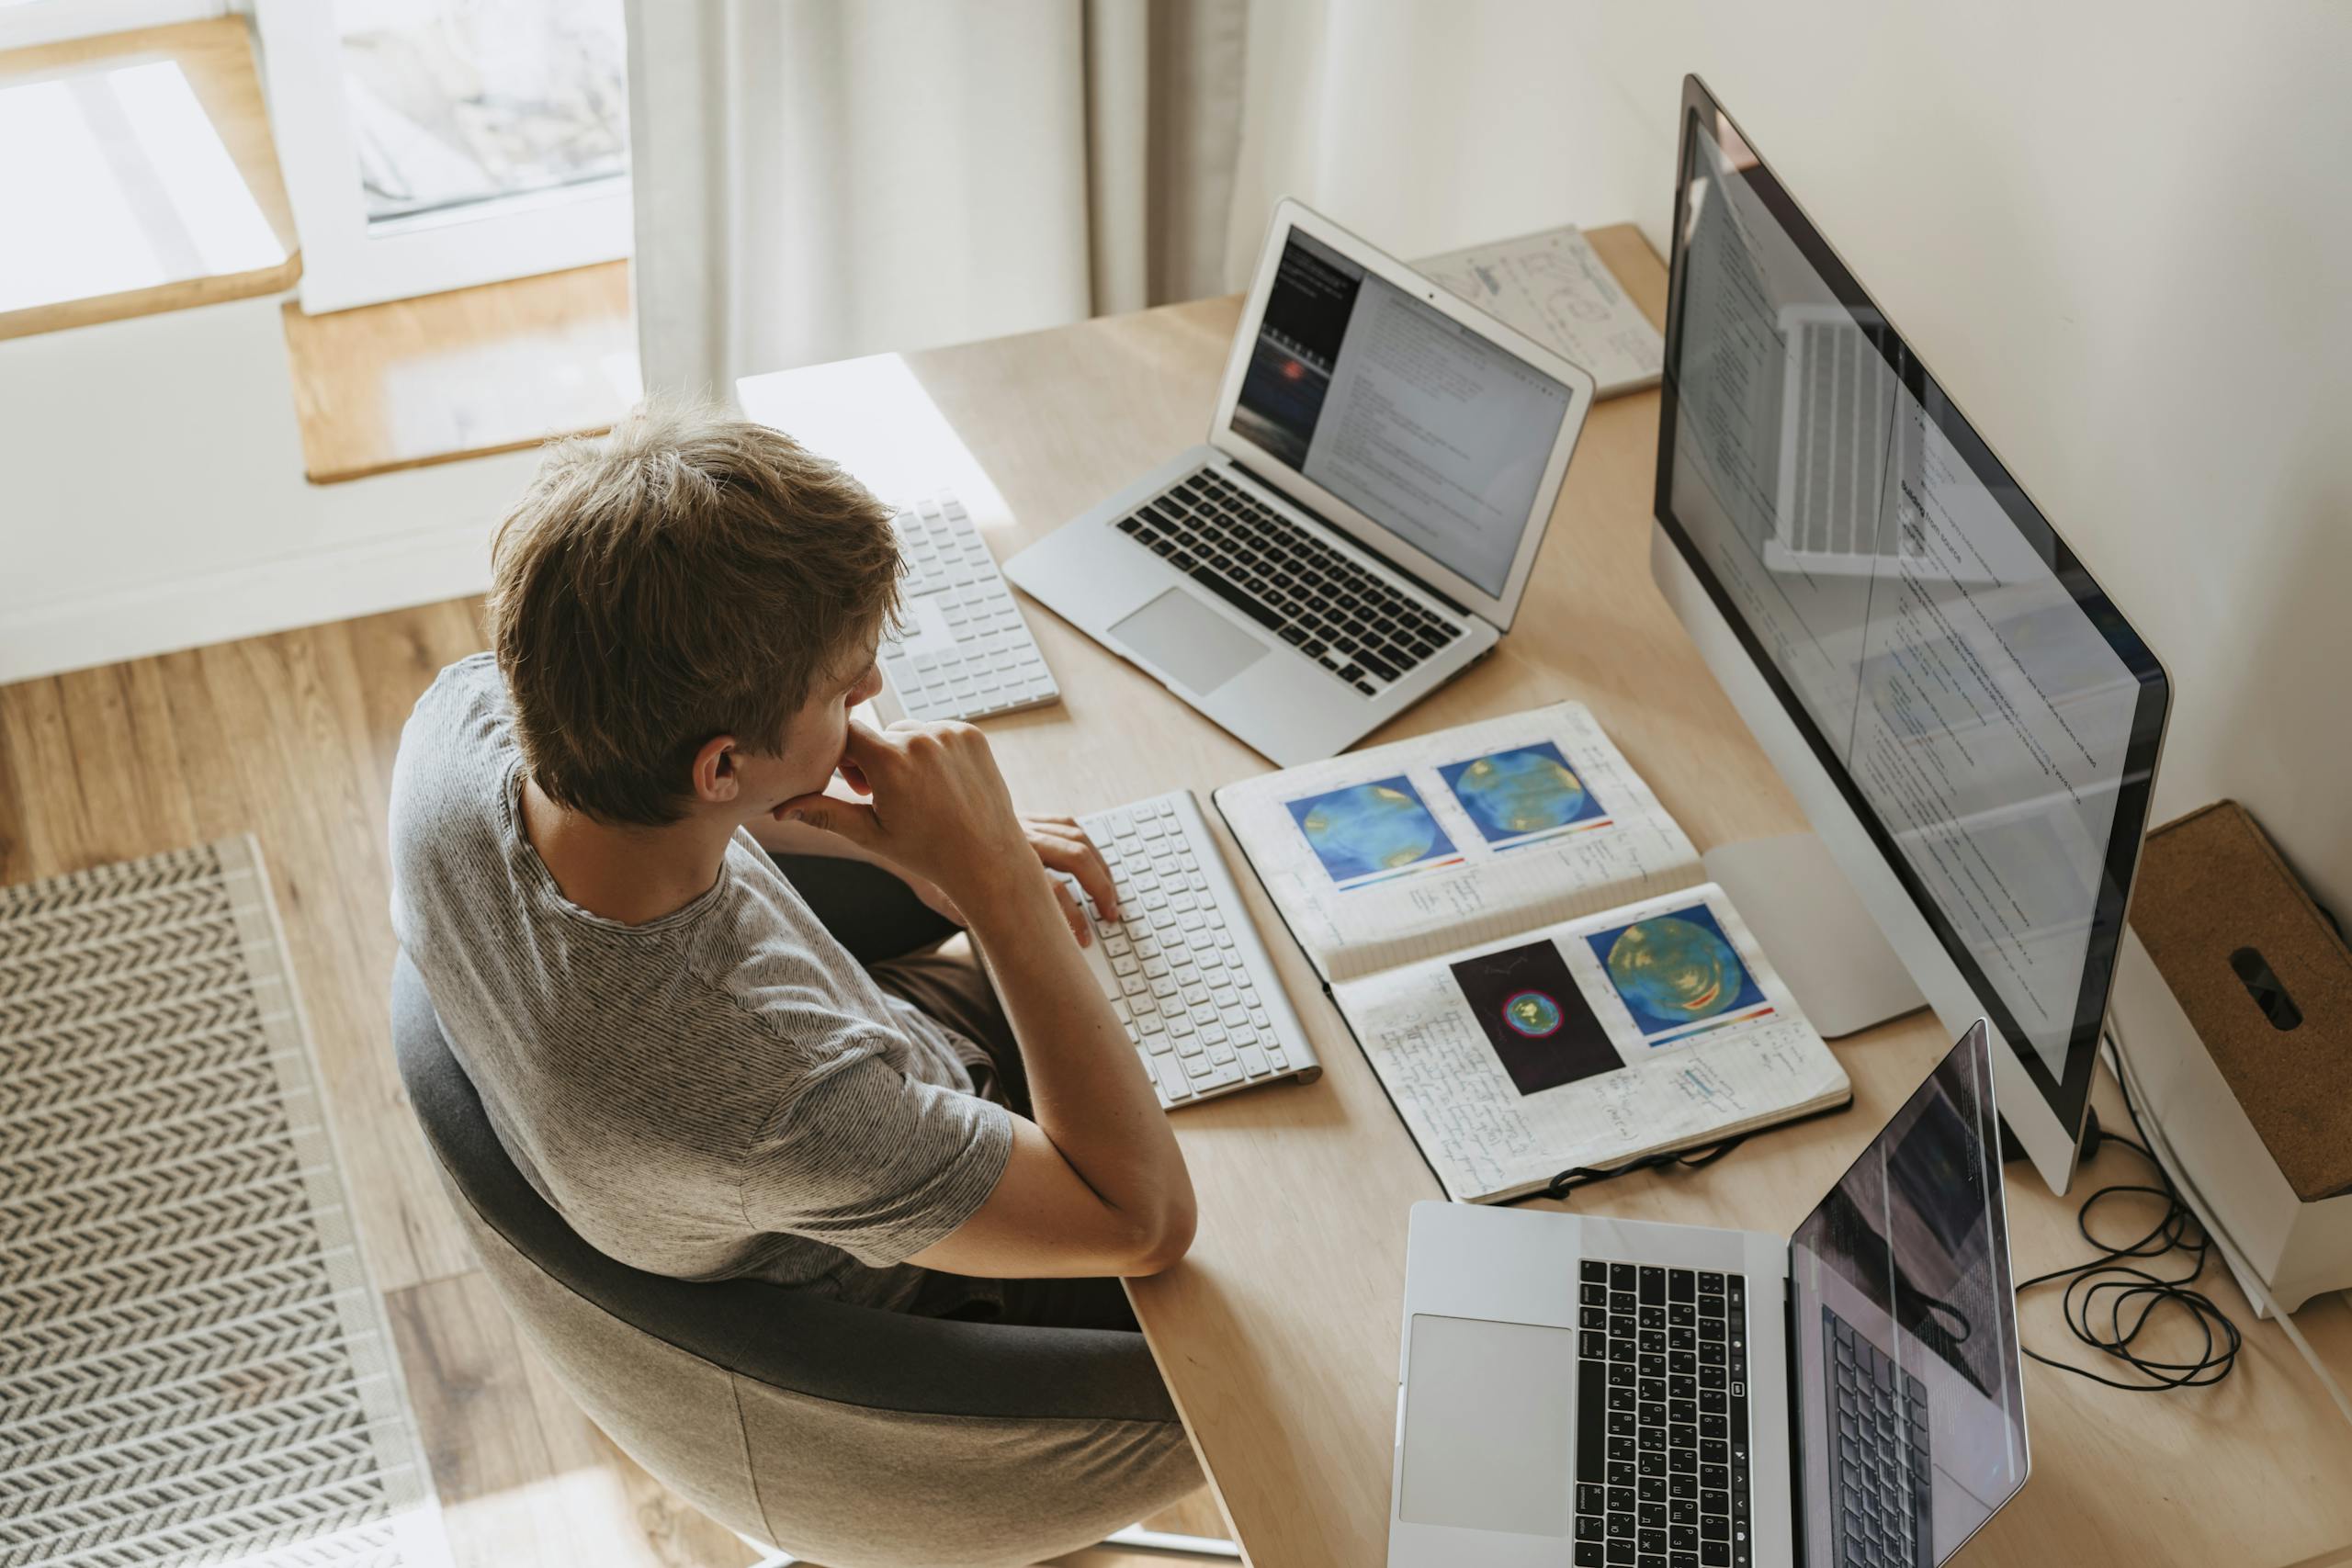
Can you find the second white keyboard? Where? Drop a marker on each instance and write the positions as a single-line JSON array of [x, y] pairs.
[[964, 651], [1184, 967]]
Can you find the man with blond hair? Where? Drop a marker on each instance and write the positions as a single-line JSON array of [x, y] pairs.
[[678, 1052]]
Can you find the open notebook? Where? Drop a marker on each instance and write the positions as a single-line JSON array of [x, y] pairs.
[[1529, 952]]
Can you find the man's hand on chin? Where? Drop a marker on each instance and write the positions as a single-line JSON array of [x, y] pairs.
[[834, 822]]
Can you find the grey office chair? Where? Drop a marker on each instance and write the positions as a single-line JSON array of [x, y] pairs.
[[836, 1433]]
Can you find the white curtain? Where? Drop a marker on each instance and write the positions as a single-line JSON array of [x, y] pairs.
[[817, 179], [1428, 125]]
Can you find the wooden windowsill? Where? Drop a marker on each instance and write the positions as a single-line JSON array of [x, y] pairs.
[[445, 376], [133, 195]]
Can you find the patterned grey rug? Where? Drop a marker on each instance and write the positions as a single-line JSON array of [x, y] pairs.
[[194, 1368]]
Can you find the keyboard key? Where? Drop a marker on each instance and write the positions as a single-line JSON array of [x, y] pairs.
[[1233, 593]]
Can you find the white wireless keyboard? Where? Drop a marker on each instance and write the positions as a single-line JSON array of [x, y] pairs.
[[1184, 968], [964, 651]]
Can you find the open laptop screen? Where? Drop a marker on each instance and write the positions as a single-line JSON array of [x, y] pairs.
[[1908, 1372], [1413, 419]]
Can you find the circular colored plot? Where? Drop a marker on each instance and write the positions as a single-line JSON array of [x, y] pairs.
[[1675, 969], [1520, 791], [1533, 1013], [1369, 825]]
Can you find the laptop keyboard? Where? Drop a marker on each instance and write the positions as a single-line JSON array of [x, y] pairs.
[[1356, 626], [1878, 1466], [1661, 1418]]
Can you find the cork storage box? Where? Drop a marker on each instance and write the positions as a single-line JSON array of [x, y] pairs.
[[2233, 1006]]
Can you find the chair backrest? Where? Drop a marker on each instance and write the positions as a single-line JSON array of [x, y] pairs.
[[840, 1432]]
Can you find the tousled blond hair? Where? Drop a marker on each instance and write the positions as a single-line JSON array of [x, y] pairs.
[[685, 576]]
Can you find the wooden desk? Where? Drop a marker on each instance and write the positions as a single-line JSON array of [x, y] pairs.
[[1279, 1333]]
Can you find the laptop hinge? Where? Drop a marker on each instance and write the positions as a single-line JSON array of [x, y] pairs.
[[1794, 1383], [1409, 577]]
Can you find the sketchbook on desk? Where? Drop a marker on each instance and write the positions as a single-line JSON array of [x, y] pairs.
[[1529, 952]]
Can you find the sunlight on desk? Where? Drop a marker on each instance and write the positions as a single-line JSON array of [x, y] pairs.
[[874, 418], [133, 189]]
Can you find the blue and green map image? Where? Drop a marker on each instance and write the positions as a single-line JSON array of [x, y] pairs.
[[1675, 970], [1527, 790], [1370, 831]]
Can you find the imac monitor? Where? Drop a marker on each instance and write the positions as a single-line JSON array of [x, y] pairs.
[[1969, 723]]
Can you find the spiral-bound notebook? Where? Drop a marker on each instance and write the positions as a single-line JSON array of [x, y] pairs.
[[1529, 952]]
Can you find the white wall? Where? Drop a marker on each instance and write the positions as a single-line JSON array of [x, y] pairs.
[[152, 498], [2120, 233], [1427, 125]]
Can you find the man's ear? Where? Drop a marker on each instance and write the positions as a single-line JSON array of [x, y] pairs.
[[716, 778]]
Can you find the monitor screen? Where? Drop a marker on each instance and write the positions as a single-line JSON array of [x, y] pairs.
[[1983, 708], [1907, 1380], [1433, 432]]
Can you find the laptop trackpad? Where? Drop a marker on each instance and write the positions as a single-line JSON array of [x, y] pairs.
[[1489, 1410], [1200, 647]]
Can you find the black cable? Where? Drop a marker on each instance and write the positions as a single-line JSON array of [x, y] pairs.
[[2110, 1285], [1578, 1176]]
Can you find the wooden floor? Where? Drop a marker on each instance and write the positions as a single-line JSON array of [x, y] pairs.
[[291, 738]]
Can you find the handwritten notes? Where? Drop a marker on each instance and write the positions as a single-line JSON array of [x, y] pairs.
[[1556, 288], [1488, 1139]]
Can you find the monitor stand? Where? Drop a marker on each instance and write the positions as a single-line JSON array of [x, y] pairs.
[[1816, 931]]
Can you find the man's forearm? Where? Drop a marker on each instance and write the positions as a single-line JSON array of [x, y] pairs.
[[800, 839], [1087, 1092]]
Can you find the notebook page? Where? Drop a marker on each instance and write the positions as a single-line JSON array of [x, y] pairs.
[[1554, 287], [1591, 1043], [1414, 849]]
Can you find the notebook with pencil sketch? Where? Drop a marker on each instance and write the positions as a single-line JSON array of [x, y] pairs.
[[1529, 952]]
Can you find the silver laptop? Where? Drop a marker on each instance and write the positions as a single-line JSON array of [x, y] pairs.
[[1618, 1392], [1360, 525]]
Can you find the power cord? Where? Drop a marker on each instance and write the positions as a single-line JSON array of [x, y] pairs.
[[2108, 1300], [2247, 1277]]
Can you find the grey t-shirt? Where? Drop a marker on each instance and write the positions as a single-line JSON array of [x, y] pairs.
[[720, 1092]]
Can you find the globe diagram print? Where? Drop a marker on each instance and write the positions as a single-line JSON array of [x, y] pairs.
[[1533, 1013], [1369, 828], [1676, 970], [1520, 792]]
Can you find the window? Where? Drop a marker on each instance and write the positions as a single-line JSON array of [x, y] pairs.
[[430, 144], [133, 189]]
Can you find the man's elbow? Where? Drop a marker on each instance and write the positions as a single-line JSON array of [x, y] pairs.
[[1160, 1246]]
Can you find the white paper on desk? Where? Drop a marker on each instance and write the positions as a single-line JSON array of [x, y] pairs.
[[1674, 1084], [1554, 287], [1466, 882]]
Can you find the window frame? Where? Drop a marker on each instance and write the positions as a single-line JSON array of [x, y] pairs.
[[345, 263], [31, 23]]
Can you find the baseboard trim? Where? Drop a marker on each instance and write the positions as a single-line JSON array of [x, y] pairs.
[[249, 600]]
